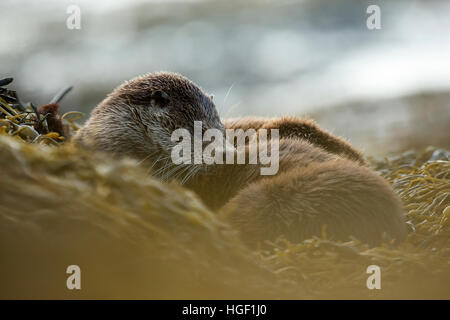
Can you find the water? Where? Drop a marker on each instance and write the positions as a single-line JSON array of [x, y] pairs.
[[261, 58]]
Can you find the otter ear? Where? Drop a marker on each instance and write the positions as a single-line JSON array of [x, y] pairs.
[[159, 99]]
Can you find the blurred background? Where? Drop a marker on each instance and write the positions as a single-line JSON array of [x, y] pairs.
[[386, 90]]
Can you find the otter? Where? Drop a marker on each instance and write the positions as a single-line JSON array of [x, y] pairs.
[[322, 182]]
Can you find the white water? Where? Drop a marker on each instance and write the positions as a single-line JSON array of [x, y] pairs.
[[295, 55]]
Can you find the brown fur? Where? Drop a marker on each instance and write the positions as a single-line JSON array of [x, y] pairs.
[[339, 195], [220, 183], [322, 180], [298, 128], [126, 124]]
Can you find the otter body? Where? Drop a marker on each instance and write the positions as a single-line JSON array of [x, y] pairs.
[[322, 180]]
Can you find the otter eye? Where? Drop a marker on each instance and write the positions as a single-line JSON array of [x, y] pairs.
[[159, 99]]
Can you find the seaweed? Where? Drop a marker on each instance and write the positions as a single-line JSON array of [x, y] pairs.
[[419, 267], [157, 240], [29, 123]]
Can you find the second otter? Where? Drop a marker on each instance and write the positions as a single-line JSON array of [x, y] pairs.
[[322, 180]]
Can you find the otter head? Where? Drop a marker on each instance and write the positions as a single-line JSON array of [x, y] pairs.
[[137, 119]]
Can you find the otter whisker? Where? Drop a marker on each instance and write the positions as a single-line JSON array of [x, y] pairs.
[[228, 93], [225, 99], [160, 157], [181, 173], [161, 172], [177, 170], [161, 169], [191, 172], [171, 172], [184, 174], [146, 158]]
